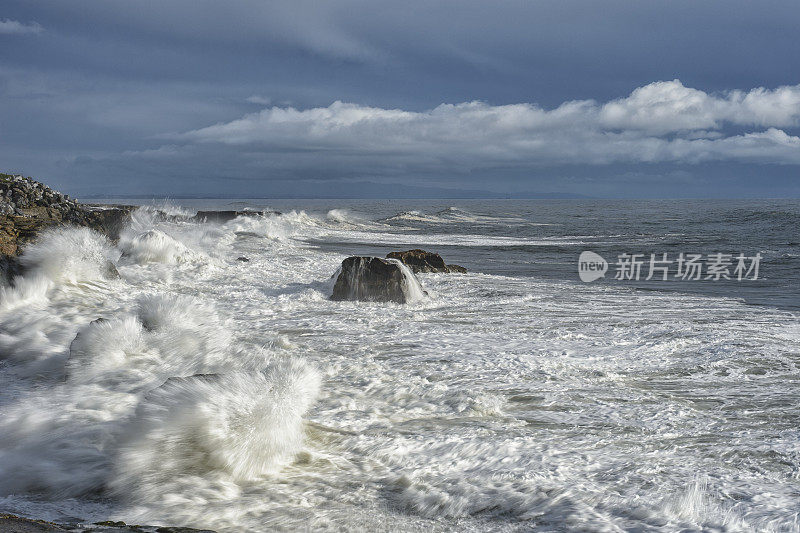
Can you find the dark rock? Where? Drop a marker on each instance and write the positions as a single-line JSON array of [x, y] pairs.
[[111, 271], [172, 529], [373, 279], [422, 261], [227, 216], [243, 259], [10, 523], [10, 267], [109, 220], [209, 378]]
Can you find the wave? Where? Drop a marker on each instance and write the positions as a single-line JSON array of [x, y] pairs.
[[154, 246], [70, 255], [452, 215], [187, 397], [27, 290], [239, 426]]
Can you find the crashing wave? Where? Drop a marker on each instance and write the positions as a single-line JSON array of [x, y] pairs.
[[70, 255], [154, 246], [239, 426], [169, 335]]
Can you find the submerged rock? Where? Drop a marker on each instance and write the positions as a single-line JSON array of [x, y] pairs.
[[422, 261], [372, 279]]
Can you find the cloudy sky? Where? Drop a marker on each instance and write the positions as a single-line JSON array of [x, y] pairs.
[[601, 98]]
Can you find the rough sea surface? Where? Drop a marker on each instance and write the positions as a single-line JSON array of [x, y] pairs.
[[236, 396]]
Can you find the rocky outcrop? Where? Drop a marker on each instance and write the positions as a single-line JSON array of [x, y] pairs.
[[27, 207], [422, 261], [372, 279], [227, 216], [10, 523]]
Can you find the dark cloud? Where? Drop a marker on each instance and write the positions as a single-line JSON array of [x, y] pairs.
[[116, 95]]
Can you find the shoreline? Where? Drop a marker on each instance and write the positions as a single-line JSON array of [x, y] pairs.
[[11, 523], [27, 207]]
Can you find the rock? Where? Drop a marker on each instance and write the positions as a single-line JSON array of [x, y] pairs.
[[243, 259], [422, 261], [110, 271], [209, 378], [27, 207], [373, 279], [227, 216], [10, 523], [111, 523], [109, 220], [10, 267]]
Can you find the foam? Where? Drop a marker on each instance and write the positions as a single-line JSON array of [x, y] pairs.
[[494, 403], [241, 426], [70, 255], [154, 246]]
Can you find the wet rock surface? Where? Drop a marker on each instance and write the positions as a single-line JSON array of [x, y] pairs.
[[10, 523], [371, 279], [27, 207], [422, 261]]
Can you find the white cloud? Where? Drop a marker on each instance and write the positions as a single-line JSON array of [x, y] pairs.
[[8, 26], [660, 122], [668, 106], [663, 107]]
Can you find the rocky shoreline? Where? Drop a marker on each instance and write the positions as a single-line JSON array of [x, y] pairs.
[[10, 523], [28, 207]]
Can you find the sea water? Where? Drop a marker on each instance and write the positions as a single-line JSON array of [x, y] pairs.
[[197, 389]]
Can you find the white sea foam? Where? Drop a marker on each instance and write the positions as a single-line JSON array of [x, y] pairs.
[[105, 347], [412, 288], [70, 255], [496, 403], [452, 215], [154, 246], [27, 290], [341, 216], [241, 425]]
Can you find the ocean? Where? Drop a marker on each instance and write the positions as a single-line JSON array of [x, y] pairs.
[[234, 395]]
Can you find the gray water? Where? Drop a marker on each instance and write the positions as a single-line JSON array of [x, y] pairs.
[[547, 236]]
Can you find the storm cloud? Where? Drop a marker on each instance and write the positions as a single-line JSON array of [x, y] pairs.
[[607, 99]]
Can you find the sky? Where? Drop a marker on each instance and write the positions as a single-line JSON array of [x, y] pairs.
[[245, 98]]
